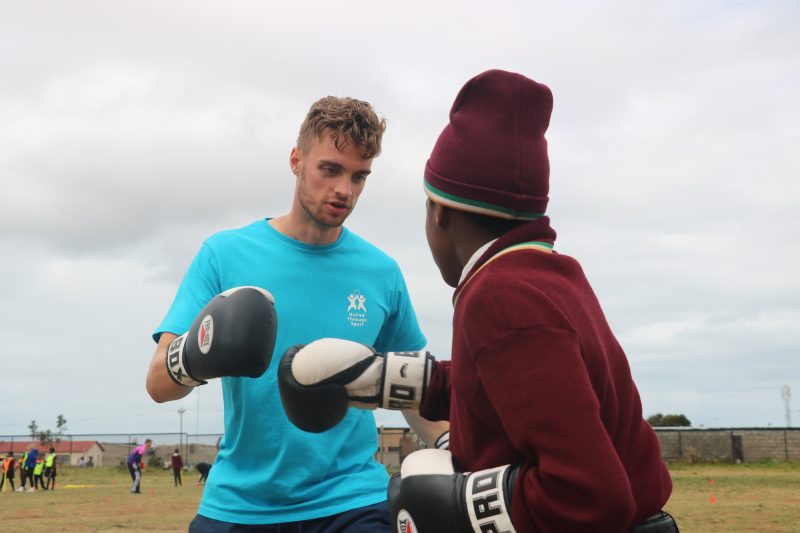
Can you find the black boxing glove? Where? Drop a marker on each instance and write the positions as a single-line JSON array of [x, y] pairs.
[[320, 380], [429, 496], [233, 335]]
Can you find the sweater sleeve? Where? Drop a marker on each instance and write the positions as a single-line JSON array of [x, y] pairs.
[[537, 382], [436, 404]]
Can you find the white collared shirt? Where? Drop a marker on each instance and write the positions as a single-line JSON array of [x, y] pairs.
[[474, 259]]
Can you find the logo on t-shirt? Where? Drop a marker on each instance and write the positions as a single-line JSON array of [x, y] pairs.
[[357, 310]]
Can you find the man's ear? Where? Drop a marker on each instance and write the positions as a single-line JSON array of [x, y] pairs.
[[295, 160], [441, 215]]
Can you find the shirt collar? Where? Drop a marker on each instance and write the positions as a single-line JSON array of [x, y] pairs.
[[474, 259]]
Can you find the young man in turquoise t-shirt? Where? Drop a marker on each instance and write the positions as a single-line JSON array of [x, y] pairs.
[[326, 282]]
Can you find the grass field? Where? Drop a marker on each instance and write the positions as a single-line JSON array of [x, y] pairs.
[[763, 498]]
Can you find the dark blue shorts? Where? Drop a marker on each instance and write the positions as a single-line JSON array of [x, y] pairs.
[[370, 519]]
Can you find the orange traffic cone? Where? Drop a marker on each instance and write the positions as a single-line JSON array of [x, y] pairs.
[[712, 499], [152, 492]]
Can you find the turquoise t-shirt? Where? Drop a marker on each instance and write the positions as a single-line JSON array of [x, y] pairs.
[[268, 471]]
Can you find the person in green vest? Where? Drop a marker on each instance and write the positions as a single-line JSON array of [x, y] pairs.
[[37, 475], [23, 471], [50, 469]]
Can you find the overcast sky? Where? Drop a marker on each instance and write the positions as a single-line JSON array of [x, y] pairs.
[[132, 130]]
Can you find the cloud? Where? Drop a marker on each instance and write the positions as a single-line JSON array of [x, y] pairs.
[[131, 131]]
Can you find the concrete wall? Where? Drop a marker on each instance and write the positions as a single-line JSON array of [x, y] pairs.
[[391, 441], [191, 453], [724, 444], [116, 454], [778, 445], [734, 444]]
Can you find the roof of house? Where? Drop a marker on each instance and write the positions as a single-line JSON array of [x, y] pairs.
[[65, 446]]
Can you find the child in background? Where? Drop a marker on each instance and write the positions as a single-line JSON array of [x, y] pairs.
[[136, 463], [50, 469], [8, 471], [177, 466], [204, 469], [29, 463], [37, 474], [22, 471]]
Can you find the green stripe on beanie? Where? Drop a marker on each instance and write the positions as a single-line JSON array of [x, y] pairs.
[[476, 206]]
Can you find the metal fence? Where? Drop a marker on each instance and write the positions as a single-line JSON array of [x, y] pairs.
[[112, 449]]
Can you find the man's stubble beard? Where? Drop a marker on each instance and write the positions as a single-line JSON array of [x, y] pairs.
[[308, 212]]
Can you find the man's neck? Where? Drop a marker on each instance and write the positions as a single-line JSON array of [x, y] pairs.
[[297, 228]]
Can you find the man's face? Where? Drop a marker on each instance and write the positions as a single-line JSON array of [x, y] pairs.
[[329, 180]]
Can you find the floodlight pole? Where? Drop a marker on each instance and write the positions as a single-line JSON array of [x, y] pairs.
[[180, 437], [196, 422], [786, 395]]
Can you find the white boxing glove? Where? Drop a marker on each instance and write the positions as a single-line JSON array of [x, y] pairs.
[[320, 380]]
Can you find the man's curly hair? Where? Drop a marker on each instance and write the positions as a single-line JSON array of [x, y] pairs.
[[347, 120]]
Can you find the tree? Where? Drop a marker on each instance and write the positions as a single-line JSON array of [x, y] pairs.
[[676, 421], [47, 436], [61, 426], [668, 421]]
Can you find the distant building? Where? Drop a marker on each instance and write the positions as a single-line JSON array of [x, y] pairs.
[[67, 451], [395, 443]]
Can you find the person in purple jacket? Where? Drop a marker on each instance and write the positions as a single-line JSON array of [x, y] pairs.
[[134, 467]]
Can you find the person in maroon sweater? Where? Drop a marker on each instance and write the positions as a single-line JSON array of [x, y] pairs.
[[177, 466], [537, 379], [546, 428]]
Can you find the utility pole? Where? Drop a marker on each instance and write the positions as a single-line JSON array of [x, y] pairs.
[[180, 437], [786, 394], [196, 424]]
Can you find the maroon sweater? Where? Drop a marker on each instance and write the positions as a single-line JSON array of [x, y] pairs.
[[537, 379]]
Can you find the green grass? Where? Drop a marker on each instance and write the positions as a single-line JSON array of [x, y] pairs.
[[99, 500], [762, 498]]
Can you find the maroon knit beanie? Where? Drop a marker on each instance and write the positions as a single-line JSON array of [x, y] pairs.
[[491, 158]]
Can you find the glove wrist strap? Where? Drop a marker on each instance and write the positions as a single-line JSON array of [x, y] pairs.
[[488, 500], [176, 367], [405, 378], [443, 442]]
